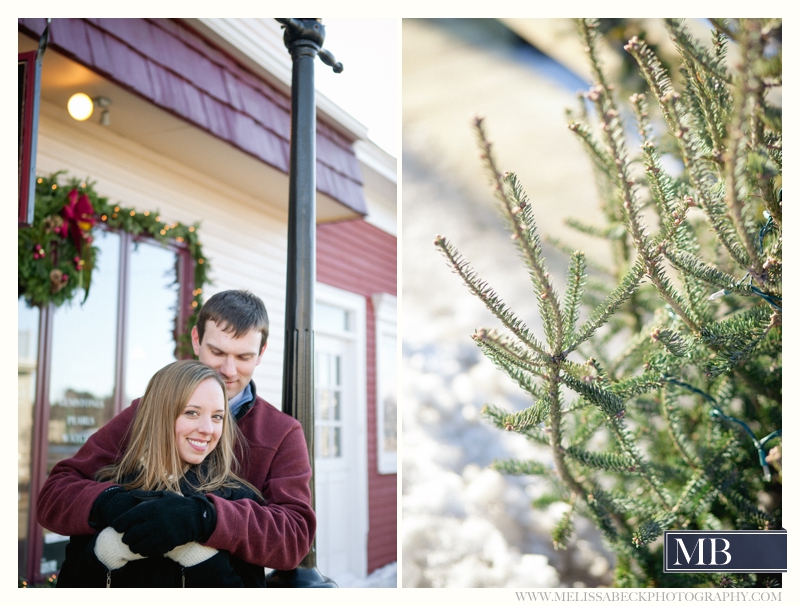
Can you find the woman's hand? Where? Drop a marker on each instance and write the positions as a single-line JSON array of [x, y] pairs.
[[111, 551]]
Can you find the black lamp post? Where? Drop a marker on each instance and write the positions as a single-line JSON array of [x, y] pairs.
[[303, 38]]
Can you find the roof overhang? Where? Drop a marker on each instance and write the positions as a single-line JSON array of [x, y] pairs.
[[136, 117]]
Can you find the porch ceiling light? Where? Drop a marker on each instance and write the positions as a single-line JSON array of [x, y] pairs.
[[80, 106]]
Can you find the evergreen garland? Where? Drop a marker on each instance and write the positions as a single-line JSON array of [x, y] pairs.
[[56, 255], [681, 429]]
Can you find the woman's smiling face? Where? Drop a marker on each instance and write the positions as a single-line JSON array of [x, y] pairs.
[[199, 426]]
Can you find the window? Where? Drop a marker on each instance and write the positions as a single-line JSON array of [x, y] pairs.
[[79, 365], [333, 383]]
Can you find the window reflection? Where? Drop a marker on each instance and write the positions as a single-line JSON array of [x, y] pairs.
[[328, 415], [82, 374], [152, 306], [388, 391], [329, 318], [386, 380], [323, 447]]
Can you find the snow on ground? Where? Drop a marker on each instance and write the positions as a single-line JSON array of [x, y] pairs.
[[464, 524], [382, 577]]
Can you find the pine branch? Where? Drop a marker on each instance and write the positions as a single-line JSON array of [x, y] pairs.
[[504, 420], [703, 179], [630, 282], [525, 419], [614, 136], [515, 467], [614, 232], [505, 351], [663, 189], [607, 461], [736, 189], [489, 297], [736, 338], [628, 445], [604, 186], [721, 25], [696, 290], [564, 529], [676, 433], [747, 510], [653, 529], [573, 297], [587, 424], [694, 491], [520, 375], [700, 270], [603, 163], [662, 186], [630, 358], [608, 519], [517, 212], [674, 343], [611, 404], [567, 250], [708, 77], [633, 386]]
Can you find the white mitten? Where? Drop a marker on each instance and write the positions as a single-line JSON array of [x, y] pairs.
[[191, 554], [111, 551]]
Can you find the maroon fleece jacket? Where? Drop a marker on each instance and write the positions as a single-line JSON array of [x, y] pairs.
[[276, 534]]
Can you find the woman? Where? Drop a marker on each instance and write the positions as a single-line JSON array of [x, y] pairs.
[[181, 446]]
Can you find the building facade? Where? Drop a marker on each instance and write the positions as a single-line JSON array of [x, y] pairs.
[[197, 129]]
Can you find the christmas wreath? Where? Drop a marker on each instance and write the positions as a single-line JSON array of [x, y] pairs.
[[56, 255]]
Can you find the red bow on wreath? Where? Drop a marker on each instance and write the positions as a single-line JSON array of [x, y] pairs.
[[78, 217]]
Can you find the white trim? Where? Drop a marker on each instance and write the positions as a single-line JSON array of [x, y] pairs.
[[258, 44], [379, 173], [376, 158], [385, 328], [356, 305]]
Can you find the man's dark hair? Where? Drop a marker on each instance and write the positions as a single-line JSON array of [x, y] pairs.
[[236, 311]]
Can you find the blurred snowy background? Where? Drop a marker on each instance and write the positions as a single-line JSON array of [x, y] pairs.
[[464, 524]]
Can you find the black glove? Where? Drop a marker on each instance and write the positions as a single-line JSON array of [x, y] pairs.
[[158, 526], [112, 503]]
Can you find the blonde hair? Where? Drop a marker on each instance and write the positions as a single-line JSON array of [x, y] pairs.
[[151, 460]]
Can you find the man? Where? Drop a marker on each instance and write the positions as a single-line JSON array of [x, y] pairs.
[[230, 336]]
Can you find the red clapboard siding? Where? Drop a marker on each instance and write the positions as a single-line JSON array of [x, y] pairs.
[[360, 258]]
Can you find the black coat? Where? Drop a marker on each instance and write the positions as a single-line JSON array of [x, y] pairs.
[[81, 567]]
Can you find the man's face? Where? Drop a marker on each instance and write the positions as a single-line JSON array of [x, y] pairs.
[[233, 359]]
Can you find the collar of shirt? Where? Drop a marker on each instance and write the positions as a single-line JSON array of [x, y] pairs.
[[236, 402]]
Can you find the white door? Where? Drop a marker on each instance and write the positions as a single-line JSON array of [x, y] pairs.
[[340, 446]]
